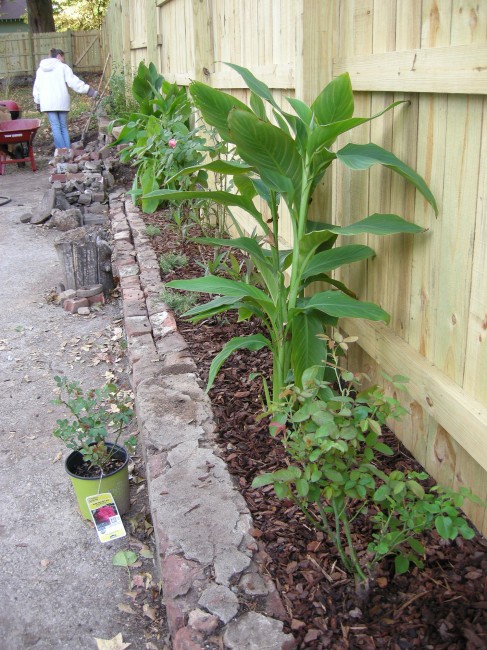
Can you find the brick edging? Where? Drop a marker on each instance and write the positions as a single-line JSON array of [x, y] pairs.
[[212, 569]]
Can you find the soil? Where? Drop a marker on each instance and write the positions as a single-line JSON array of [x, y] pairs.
[[443, 606]]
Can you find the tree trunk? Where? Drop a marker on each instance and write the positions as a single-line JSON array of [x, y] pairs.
[[40, 16], [85, 257]]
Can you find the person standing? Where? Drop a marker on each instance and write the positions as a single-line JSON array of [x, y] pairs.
[[51, 94]]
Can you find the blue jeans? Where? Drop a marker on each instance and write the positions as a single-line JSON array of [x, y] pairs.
[[59, 127]]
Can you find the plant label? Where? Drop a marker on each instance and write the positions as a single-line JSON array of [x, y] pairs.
[[105, 516]]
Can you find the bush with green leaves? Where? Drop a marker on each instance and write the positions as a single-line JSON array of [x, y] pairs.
[[99, 414], [118, 103], [158, 138], [283, 163], [170, 261], [176, 301], [332, 435], [152, 231]]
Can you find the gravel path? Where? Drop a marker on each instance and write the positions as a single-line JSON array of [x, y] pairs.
[[59, 588]]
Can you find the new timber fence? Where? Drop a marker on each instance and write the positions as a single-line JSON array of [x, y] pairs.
[[20, 53], [434, 285]]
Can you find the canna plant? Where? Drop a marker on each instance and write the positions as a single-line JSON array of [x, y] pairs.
[[283, 163]]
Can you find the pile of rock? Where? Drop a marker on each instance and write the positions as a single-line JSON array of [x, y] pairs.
[[80, 180]]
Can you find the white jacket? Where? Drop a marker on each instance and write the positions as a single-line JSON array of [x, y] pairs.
[[50, 89]]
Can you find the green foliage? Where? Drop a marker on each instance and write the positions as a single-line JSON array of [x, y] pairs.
[[79, 14], [283, 164], [178, 302], [152, 231], [98, 414], [158, 138], [333, 438], [170, 261], [118, 103]]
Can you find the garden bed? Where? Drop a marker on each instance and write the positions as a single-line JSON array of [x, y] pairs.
[[442, 606]]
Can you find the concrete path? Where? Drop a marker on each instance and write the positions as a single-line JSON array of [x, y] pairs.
[[58, 587]]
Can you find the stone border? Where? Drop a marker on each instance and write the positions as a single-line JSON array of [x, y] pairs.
[[212, 570]]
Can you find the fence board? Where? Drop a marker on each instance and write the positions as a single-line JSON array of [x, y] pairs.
[[21, 53]]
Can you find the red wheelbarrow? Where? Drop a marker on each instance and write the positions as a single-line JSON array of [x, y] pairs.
[[14, 132]]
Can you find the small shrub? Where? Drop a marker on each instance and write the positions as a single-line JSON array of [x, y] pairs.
[[152, 231], [178, 302], [170, 261]]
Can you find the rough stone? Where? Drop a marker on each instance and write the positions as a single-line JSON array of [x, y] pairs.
[[65, 220], [178, 575], [253, 631], [203, 621], [188, 639], [228, 563], [43, 211], [61, 202], [26, 217], [84, 311], [253, 584], [222, 602]]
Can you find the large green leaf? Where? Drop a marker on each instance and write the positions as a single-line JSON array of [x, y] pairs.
[[213, 307], [325, 135], [269, 149], [223, 198], [223, 286], [302, 110], [378, 224], [257, 255], [254, 342], [336, 257], [306, 348], [255, 85], [148, 183], [335, 102], [363, 156], [336, 303], [215, 106]]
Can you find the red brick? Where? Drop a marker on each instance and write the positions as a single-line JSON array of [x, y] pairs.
[[99, 298], [73, 304]]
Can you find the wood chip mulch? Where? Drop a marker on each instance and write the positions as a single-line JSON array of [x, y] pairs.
[[443, 606]]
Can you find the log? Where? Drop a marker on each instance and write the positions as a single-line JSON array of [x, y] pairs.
[[85, 257]]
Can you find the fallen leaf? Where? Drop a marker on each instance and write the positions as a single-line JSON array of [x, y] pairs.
[[57, 457], [116, 643], [45, 563], [124, 558], [149, 611], [147, 553], [125, 608]]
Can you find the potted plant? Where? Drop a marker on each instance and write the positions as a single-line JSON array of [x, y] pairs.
[[96, 465]]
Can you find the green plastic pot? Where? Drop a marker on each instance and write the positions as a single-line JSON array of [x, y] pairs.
[[116, 482]]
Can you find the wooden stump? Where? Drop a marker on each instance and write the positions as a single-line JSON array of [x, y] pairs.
[[85, 257]]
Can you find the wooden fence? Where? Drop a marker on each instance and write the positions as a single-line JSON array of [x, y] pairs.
[[21, 52], [434, 285]]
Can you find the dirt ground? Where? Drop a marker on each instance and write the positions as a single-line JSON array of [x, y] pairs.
[[59, 588]]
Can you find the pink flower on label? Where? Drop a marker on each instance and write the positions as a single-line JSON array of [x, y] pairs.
[[172, 143]]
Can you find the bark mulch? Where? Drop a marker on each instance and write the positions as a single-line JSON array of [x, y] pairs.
[[443, 606]]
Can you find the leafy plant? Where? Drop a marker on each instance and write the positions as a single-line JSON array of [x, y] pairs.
[[333, 436], [279, 164], [118, 104], [158, 138], [170, 261], [98, 414], [178, 302], [152, 231]]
